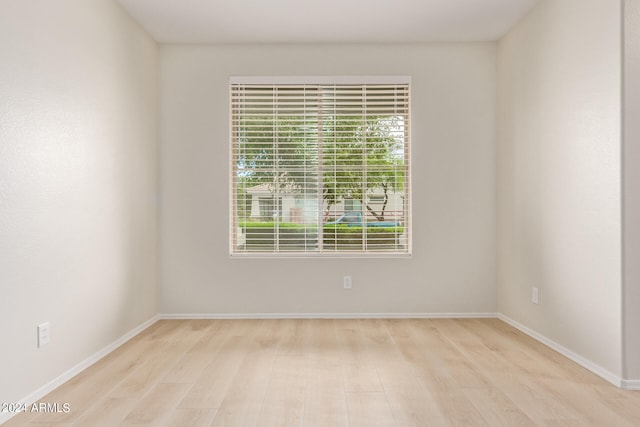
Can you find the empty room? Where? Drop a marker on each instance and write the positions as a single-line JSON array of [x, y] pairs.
[[306, 213]]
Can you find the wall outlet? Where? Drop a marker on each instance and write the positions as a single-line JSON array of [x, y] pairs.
[[43, 334], [534, 295], [346, 282]]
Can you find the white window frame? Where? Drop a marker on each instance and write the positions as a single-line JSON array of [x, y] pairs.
[[234, 230]]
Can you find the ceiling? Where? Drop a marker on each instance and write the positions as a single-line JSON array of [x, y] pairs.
[[326, 21]]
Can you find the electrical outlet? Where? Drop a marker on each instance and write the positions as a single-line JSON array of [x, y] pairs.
[[346, 282], [43, 334], [534, 295]]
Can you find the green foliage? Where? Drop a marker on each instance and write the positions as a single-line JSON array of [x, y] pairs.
[[262, 236], [329, 228]]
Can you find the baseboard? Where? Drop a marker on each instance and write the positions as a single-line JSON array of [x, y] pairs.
[[66, 376], [181, 316], [585, 363], [631, 384]]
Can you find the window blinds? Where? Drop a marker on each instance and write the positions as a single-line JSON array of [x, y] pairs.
[[320, 167]]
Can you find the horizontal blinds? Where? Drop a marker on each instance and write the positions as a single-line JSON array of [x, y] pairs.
[[320, 168]]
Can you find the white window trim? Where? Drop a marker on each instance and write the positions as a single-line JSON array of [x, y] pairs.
[[328, 80]]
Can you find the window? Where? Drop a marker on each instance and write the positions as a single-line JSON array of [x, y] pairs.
[[269, 210], [320, 166]]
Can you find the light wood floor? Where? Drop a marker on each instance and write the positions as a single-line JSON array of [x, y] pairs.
[[472, 372]]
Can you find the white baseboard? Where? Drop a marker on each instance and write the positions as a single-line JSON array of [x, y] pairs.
[[631, 384], [326, 316], [66, 376], [585, 363]]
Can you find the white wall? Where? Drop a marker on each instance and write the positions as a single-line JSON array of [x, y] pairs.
[[631, 144], [559, 193], [453, 267], [78, 180]]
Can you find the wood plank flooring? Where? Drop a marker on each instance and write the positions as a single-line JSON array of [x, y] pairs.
[[323, 372]]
